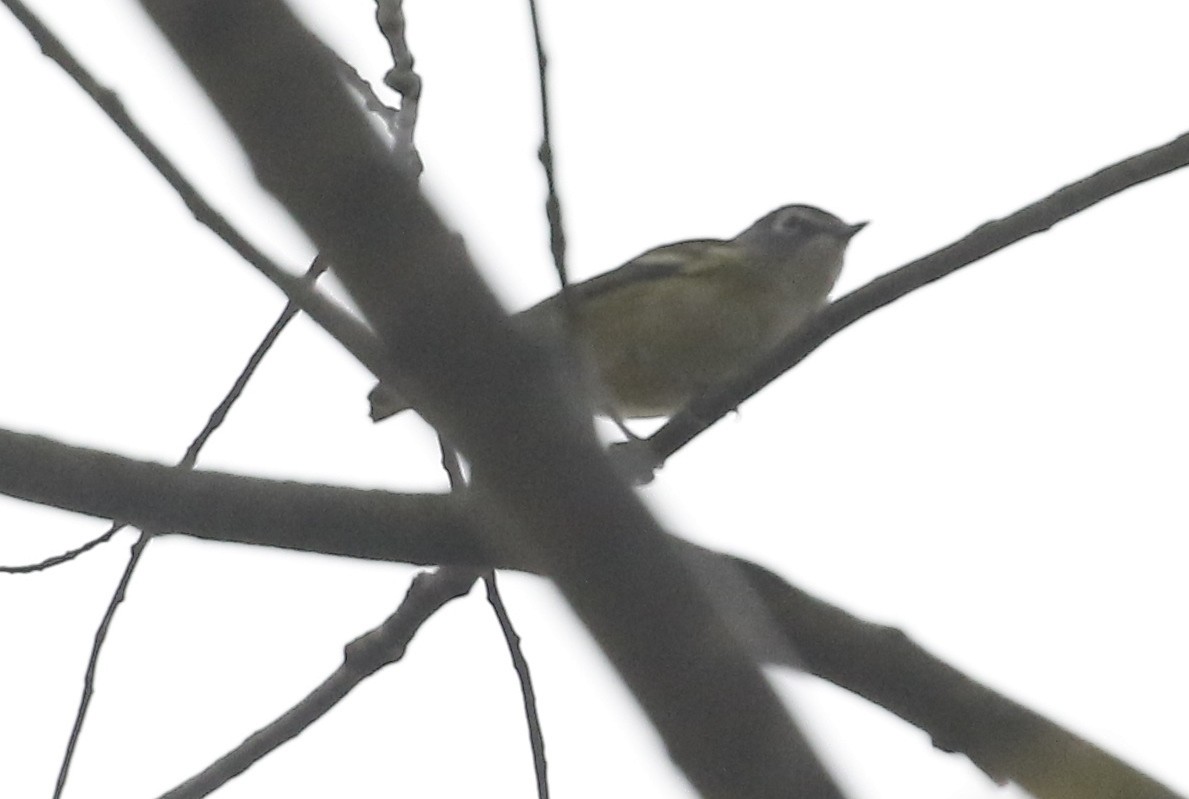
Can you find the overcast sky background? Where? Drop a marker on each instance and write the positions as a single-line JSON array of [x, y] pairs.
[[996, 464]]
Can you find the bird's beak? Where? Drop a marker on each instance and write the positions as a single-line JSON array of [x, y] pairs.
[[850, 231]]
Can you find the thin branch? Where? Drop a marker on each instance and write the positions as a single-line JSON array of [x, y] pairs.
[[362, 658], [985, 240]]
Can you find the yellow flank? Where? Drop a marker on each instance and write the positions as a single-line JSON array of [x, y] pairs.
[[657, 344]]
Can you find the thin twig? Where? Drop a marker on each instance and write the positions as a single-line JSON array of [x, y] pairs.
[[529, 696], [93, 661], [219, 414], [557, 231], [63, 557]]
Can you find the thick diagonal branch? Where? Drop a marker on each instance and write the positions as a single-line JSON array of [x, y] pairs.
[[494, 395]]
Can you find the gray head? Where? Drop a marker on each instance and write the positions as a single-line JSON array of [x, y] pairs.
[[794, 225], [801, 247]]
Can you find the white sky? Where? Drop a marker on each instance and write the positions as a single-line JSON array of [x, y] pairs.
[[996, 464]]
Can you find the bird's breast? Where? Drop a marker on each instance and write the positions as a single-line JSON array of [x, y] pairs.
[[654, 347]]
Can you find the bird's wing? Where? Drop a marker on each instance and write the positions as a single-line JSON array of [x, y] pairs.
[[683, 257]]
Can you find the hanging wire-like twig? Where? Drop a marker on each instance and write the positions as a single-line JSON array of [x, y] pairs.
[[520, 664], [100, 639], [557, 230]]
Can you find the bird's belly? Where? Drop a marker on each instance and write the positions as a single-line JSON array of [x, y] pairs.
[[653, 357]]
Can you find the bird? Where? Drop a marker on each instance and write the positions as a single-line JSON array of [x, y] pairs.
[[678, 319]]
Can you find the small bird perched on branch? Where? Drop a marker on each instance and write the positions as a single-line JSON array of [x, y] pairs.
[[678, 319]]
